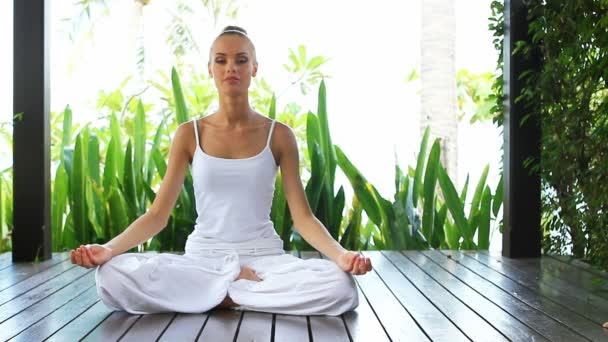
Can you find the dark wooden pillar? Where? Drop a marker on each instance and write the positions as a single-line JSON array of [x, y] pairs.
[[521, 231], [31, 132]]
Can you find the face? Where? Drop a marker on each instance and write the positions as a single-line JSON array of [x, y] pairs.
[[232, 64]]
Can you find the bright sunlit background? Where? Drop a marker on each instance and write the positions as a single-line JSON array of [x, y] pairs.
[[373, 46]]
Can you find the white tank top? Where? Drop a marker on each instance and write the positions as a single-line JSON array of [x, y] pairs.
[[233, 200]]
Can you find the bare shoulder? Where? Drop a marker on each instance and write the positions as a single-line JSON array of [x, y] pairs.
[[284, 140], [283, 132], [184, 139]]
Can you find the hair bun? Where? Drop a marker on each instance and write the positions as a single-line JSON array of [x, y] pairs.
[[234, 29]]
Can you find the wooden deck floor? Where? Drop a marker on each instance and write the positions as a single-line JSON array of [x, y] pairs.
[[410, 296]]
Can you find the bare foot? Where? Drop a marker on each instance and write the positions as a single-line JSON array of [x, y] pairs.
[[248, 273]]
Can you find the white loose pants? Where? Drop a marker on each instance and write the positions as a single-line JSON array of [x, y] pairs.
[[142, 283]]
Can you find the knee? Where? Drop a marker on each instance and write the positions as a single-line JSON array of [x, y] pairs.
[[343, 293], [108, 285]]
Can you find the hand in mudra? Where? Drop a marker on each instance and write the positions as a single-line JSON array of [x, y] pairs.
[[90, 255], [354, 263]]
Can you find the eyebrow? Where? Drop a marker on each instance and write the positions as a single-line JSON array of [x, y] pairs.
[[238, 54]]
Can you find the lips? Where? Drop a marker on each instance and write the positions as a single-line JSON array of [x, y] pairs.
[[231, 79]]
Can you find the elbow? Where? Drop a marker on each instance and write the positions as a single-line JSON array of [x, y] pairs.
[[303, 222], [159, 220]]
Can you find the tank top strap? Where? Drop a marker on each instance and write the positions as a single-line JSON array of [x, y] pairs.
[[195, 131], [270, 133]]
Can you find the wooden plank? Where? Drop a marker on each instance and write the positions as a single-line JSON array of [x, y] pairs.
[[113, 327], [536, 319], [289, 328], [500, 319], [434, 322], [255, 326], [580, 279], [17, 272], [149, 327], [83, 324], [396, 320], [553, 309], [572, 261], [23, 318], [325, 328], [13, 307], [6, 259], [547, 277], [560, 295], [362, 324], [328, 328], [35, 281], [221, 325], [463, 317], [59, 318], [184, 327]]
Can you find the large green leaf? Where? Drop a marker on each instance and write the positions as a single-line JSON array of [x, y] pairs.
[[116, 135], [129, 183], [155, 146], [438, 238], [119, 218], [477, 199], [463, 193], [452, 235], [328, 153], [454, 205], [139, 138], [483, 236], [77, 198], [277, 210], [360, 187], [94, 210], [67, 130], [272, 111], [93, 191], [318, 174], [498, 194], [420, 166], [60, 198], [430, 182], [159, 162], [93, 159], [351, 235], [181, 110], [109, 170], [337, 215]]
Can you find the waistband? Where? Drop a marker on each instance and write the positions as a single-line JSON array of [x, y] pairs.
[[196, 244]]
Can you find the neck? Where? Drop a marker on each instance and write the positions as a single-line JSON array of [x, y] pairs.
[[235, 111]]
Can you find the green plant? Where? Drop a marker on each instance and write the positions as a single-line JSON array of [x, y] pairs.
[[570, 94], [105, 178]]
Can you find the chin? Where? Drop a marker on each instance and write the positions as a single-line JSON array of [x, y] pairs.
[[236, 92]]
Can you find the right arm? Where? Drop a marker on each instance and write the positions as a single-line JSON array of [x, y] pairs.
[[157, 216]]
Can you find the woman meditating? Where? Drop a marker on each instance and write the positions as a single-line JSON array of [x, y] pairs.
[[233, 258]]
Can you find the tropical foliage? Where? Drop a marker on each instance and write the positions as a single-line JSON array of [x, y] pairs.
[[571, 88], [107, 178]]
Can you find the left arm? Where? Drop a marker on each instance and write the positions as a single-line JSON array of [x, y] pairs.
[[311, 229]]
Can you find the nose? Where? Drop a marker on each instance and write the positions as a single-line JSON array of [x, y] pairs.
[[231, 66]]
